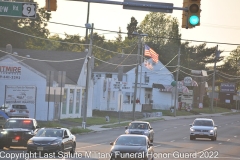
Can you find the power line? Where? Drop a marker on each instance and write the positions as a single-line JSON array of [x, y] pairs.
[[149, 36]]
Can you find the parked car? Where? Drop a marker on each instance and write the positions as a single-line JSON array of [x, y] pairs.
[[130, 146], [17, 131], [140, 127], [203, 128], [16, 110], [52, 140]]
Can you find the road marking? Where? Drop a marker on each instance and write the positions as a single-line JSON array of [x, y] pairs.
[[157, 146], [235, 136], [184, 137], [172, 141], [92, 145], [219, 143], [228, 140], [205, 150]]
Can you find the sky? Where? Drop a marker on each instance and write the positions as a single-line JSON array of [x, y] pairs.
[[219, 20]]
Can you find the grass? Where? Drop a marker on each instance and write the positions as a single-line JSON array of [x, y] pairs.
[[207, 110], [121, 124], [49, 124], [77, 130], [93, 120]]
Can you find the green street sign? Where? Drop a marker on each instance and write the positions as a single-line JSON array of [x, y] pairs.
[[18, 9]]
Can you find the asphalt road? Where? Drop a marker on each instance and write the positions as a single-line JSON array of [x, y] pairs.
[[171, 141]]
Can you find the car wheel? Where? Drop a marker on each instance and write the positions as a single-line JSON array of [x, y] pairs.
[[73, 149]]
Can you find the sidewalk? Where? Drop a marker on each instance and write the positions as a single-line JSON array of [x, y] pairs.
[[166, 118]]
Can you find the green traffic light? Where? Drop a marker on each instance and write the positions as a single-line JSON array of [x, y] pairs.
[[193, 20]]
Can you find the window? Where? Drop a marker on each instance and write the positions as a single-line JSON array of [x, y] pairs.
[[146, 79], [108, 75]]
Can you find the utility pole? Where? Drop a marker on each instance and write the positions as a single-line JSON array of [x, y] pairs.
[[88, 77], [136, 77], [214, 72], [176, 87]]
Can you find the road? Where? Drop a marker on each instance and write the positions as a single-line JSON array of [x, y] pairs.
[[171, 141]]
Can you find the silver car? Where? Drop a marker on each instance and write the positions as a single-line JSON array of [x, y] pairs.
[[142, 128], [16, 110], [203, 128]]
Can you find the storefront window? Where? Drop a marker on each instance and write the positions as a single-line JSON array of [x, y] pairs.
[[71, 98], [64, 102], [78, 96]]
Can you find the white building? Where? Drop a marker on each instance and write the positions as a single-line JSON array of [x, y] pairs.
[[28, 72], [107, 94]]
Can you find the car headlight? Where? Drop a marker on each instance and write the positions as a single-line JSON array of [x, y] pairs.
[[30, 142], [55, 143], [4, 132], [211, 131], [192, 130]]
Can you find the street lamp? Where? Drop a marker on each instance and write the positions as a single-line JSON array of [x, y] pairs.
[[88, 26], [136, 76]]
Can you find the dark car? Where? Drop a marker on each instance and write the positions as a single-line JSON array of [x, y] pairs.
[[140, 127], [203, 128], [131, 146], [17, 131], [52, 140]]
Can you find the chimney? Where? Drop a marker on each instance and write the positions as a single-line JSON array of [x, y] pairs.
[[9, 48]]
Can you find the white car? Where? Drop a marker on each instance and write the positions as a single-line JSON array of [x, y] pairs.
[[203, 128], [15, 110], [142, 128]]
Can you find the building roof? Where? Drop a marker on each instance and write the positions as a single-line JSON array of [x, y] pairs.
[[129, 60], [34, 59]]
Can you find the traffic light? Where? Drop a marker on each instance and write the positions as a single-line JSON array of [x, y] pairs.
[[51, 5], [191, 17]]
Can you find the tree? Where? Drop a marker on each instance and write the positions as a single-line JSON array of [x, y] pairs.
[[131, 27]]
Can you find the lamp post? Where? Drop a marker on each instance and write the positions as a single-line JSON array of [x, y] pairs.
[[136, 73], [88, 26]]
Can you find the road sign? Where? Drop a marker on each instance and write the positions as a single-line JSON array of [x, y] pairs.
[[148, 6], [18, 9]]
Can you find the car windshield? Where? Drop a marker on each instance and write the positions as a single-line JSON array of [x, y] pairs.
[[49, 133], [19, 123], [203, 123], [138, 126], [131, 141]]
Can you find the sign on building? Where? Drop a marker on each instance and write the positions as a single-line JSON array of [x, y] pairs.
[[228, 87], [20, 94]]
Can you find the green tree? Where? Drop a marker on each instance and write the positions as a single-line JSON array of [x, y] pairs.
[[131, 27]]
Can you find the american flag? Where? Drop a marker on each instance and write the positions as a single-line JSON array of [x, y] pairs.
[[148, 65], [151, 53]]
